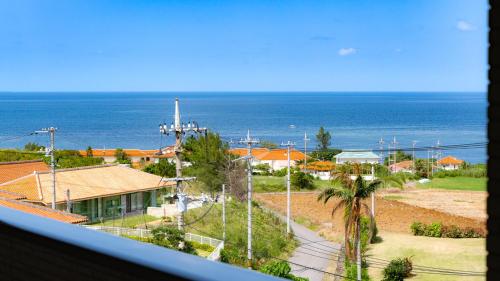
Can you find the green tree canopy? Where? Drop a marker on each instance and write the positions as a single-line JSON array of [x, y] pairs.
[[326, 154], [163, 168], [121, 156], [207, 154], [90, 153], [323, 138], [268, 144], [32, 146]]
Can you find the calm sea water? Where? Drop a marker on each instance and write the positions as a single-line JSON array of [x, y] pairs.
[[355, 120]]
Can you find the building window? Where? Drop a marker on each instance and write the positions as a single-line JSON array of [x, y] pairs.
[[112, 206]]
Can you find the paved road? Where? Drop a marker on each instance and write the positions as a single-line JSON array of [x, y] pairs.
[[313, 252]]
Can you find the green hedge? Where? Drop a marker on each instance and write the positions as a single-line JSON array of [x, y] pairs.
[[438, 230]]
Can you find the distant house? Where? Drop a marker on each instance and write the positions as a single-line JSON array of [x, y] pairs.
[[95, 192], [360, 157], [276, 158], [403, 166], [449, 163], [138, 157], [321, 169]]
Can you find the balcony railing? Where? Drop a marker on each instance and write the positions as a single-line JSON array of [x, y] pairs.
[[37, 248]]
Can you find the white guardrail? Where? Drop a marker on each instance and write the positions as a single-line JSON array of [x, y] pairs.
[[146, 233]]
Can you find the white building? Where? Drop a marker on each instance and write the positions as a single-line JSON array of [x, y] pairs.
[[360, 157]]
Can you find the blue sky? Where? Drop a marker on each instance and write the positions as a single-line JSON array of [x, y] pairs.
[[424, 45]]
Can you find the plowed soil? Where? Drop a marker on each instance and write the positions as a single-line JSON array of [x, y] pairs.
[[391, 215]]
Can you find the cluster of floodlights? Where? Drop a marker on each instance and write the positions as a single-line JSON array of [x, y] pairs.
[[190, 126]]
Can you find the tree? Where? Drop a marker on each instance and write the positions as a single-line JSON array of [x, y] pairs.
[[302, 180], [207, 155], [268, 144], [121, 156], [32, 146], [163, 168], [90, 153], [326, 154], [235, 177], [351, 194], [323, 138]]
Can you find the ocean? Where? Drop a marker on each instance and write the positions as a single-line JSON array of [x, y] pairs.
[[355, 120]]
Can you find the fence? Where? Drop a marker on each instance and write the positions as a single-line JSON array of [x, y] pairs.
[[146, 233]]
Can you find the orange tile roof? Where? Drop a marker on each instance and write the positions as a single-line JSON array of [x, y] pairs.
[[12, 170], [42, 211], [244, 151], [128, 152], [84, 183], [407, 164], [281, 154], [27, 186], [450, 160], [320, 166], [11, 195]]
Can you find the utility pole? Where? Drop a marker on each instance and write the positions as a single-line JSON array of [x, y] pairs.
[[413, 156], [305, 151], [51, 131], [223, 213], [289, 145], [249, 142], [381, 143], [358, 250], [395, 144], [373, 193], [180, 128], [428, 163]]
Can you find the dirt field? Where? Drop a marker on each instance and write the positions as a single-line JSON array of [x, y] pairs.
[[392, 215], [469, 204]]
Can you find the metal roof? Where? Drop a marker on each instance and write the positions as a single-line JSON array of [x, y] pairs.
[[357, 155]]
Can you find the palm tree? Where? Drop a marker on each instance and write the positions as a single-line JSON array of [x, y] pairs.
[[351, 193]]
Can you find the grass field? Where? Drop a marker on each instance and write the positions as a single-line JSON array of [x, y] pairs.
[[278, 184], [458, 254], [129, 221], [269, 237], [456, 183]]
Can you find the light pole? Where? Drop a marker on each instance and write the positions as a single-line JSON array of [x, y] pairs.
[[289, 145]]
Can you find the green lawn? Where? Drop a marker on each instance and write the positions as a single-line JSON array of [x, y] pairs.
[[129, 221], [456, 183], [278, 184], [459, 254]]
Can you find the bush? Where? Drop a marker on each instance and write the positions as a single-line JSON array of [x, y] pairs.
[[203, 247], [302, 180], [439, 230], [280, 269], [398, 269], [262, 169], [280, 173], [172, 238]]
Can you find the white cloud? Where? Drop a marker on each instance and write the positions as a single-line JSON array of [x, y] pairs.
[[464, 26], [347, 51]]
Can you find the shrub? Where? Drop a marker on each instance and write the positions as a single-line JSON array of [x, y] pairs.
[[398, 269], [280, 173], [433, 230], [203, 247], [302, 180], [439, 230], [172, 238], [280, 269]]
